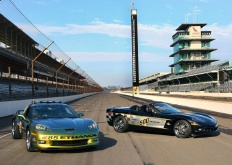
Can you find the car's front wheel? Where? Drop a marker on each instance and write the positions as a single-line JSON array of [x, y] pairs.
[[120, 124], [182, 129], [15, 133], [29, 145]]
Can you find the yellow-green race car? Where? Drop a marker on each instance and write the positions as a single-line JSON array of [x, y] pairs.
[[50, 125]]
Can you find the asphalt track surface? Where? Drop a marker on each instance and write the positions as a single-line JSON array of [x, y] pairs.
[[136, 147]]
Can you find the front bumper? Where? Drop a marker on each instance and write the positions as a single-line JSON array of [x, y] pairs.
[[204, 129], [67, 141]]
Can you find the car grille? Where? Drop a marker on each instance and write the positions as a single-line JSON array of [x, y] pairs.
[[69, 143], [210, 129]]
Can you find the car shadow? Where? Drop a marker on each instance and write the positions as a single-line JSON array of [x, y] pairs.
[[105, 143], [145, 130]]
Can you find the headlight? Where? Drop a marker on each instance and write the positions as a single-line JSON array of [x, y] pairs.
[[194, 123], [92, 126], [40, 127]]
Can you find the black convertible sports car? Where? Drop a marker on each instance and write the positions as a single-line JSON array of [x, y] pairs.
[[162, 116]]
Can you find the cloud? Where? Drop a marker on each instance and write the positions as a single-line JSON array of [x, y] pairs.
[[156, 36], [223, 40], [45, 2], [169, 7], [114, 57], [152, 35]]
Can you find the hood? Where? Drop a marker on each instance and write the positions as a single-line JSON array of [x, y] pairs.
[[201, 118], [73, 124]]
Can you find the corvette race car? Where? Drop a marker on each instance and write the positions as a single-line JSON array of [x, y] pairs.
[[54, 125], [161, 115]]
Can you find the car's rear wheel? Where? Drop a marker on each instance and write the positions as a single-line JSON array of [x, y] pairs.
[[15, 133], [29, 145], [120, 124], [182, 129]]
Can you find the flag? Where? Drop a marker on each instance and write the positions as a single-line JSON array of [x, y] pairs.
[[132, 4]]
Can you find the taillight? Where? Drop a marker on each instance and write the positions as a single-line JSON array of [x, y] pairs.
[[110, 113]]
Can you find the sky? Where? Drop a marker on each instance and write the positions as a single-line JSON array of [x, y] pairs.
[[96, 34]]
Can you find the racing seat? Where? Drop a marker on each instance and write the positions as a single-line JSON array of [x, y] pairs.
[[145, 111], [136, 108]]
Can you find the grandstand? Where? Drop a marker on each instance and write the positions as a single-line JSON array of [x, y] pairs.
[[32, 65], [211, 78]]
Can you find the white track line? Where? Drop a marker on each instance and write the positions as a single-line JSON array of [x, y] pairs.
[[5, 135]]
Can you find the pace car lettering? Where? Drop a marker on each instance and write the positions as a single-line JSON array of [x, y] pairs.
[[68, 137], [154, 122], [144, 121], [81, 136], [37, 106]]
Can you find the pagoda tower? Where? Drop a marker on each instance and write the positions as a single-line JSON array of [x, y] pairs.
[[191, 48]]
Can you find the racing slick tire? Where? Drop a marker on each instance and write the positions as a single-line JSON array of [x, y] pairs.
[[120, 124], [29, 145], [15, 133], [182, 129]]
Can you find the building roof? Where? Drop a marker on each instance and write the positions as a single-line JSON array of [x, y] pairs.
[[191, 39], [185, 26], [194, 61], [193, 50]]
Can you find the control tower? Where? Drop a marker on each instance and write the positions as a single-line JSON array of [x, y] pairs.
[[191, 48]]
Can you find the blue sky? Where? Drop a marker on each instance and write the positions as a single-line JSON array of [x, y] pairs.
[[96, 33]]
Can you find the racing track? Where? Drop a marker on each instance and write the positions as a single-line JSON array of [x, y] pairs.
[[136, 147]]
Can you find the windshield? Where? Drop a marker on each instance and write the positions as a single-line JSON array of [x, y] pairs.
[[164, 108], [41, 111]]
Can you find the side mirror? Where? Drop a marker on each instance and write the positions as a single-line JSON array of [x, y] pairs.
[[22, 116], [81, 114], [20, 112]]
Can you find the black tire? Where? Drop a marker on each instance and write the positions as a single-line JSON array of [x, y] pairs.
[[182, 129], [29, 145], [110, 123], [15, 133], [120, 124]]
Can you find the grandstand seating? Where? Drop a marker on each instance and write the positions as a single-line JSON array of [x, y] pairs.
[[14, 89], [210, 78]]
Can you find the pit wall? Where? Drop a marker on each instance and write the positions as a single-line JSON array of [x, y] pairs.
[[10, 107]]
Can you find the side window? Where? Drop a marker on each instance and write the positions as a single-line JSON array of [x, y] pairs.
[[145, 111]]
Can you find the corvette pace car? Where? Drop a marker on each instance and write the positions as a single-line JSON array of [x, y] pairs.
[[161, 115], [54, 125]]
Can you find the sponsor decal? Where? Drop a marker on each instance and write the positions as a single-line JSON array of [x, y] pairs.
[[144, 121], [20, 126], [194, 29], [195, 32]]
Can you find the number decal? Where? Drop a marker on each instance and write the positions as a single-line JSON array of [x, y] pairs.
[[144, 121], [53, 138]]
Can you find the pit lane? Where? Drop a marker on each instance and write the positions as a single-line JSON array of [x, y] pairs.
[[137, 147]]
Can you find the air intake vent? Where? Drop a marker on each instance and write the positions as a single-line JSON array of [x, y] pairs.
[[70, 129]]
